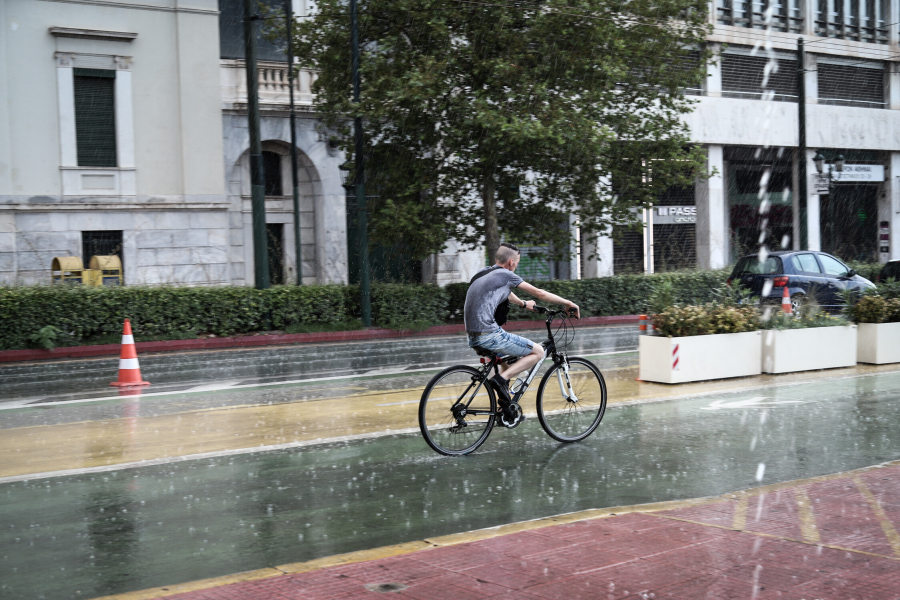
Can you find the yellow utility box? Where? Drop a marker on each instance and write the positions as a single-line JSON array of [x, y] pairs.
[[105, 271], [68, 270]]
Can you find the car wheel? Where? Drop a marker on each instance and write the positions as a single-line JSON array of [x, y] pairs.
[[799, 302]]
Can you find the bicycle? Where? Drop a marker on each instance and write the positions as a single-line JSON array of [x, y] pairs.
[[458, 409]]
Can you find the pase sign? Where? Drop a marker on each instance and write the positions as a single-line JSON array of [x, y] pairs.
[[674, 215]]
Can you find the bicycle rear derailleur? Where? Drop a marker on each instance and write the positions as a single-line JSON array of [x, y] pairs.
[[510, 416]]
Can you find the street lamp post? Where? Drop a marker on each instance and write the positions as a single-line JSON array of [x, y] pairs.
[[836, 165], [289, 17], [362, 216]]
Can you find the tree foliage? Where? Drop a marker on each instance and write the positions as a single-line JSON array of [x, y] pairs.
[[490, 119]]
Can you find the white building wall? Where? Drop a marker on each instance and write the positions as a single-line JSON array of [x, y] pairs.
[[168, 197]]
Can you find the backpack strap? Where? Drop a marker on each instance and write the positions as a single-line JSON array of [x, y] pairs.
[[481, 274]]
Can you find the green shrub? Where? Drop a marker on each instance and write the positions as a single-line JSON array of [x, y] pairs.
[[682, 321], [83, 314], [876, 309], [402, 306]]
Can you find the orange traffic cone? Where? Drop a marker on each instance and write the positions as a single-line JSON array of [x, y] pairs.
[[786, 302], [129, 369]]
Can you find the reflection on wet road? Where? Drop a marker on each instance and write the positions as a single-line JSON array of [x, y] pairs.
[[98, 533]]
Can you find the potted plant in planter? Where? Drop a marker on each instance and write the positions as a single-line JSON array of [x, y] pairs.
[[807, 342], [878, 337], [696, 343]]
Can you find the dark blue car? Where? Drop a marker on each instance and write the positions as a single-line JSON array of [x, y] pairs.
[[809, 276]]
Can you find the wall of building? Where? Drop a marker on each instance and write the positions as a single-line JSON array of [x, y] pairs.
[[173, 217]]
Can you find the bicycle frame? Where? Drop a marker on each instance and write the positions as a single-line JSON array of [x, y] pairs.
[[549, 345]]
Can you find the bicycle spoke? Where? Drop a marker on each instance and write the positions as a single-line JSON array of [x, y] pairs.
[[444, 412], [569, 410]]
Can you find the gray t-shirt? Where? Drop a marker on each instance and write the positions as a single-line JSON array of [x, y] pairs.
[[485, 295]]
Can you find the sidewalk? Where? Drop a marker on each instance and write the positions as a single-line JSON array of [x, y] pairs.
[[826, 538]]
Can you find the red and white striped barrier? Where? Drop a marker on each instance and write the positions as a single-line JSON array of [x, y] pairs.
[[129, 369], [676, 365]]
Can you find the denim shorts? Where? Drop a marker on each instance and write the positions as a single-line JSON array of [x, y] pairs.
[[501, 342]]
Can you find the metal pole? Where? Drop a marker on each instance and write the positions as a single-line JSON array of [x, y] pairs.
[[289, 16], [365, 292], [801, 159], [257, 184]]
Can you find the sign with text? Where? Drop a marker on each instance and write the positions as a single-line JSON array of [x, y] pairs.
[[674, 215], [820, 183], [859, 173]]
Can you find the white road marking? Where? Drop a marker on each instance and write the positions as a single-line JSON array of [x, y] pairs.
[[756, 401]]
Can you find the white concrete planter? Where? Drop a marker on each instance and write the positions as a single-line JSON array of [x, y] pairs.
[[789, 350], [699, 357], [878, 343]]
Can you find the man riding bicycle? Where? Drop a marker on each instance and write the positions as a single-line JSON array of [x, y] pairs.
[[489, 288]]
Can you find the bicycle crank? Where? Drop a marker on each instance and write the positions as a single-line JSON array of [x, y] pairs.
[[511, 416]]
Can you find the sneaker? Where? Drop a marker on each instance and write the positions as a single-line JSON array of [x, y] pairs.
[[501, 386]]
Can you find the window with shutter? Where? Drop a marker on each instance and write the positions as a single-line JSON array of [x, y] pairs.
[[851, 85], [742, 77], [95, 117]]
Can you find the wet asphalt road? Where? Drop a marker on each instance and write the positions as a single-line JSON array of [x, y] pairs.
[[87, 535]]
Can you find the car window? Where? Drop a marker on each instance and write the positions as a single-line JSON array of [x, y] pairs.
[[750, 265], [891, 269], [833, 266], [805, 263]]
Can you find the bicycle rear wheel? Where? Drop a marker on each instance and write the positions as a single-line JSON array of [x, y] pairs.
[[456, 414], [570, 414]]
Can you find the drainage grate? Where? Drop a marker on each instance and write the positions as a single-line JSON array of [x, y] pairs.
[[385, 587]]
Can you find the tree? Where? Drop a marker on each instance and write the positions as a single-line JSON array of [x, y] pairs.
[[484, 118]]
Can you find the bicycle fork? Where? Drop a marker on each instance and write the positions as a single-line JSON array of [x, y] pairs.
[[565, 382]]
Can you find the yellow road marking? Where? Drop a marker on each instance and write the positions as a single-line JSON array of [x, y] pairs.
[[889, 531], [807, 518]]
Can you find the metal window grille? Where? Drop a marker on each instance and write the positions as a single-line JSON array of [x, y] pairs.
[[859, 20], [95, 117], [851, 85], [275, 250], [785, 15], [674, 247], [628, 251], [272, 173], [742, 77], [102, 243]]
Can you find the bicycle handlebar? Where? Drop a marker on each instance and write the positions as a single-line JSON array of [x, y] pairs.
[[546, 311]]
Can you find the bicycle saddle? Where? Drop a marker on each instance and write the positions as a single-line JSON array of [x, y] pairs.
[[484, 352]]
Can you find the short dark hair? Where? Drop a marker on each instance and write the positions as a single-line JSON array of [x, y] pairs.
[[506, 252]]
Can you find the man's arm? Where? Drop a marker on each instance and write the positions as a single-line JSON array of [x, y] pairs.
[[519, 302], [548, 297]]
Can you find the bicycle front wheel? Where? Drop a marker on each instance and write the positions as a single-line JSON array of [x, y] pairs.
[[456, 412], [570, 405]]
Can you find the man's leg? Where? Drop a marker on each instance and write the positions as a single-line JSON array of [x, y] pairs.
[[523, 364]]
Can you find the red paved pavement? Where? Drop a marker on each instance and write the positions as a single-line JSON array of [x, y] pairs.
[[831, 538]]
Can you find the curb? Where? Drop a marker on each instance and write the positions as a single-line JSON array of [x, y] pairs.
[[250, 341]]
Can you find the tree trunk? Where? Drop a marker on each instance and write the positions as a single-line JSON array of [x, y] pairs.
[[491, 230]]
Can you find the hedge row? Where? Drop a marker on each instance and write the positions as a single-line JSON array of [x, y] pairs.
[[85, 313], [618, 295]]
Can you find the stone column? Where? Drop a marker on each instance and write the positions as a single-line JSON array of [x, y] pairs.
[[892, 85], [712, 232], [597, 251], [65, 89], [889, 208], [808, 12], [813, 218], [712, 85]]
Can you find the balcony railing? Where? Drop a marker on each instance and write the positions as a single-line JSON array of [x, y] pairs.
[[272, 81]]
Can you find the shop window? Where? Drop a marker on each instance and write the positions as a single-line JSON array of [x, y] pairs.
[[95, 117], [628, 251], [275, 250]]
